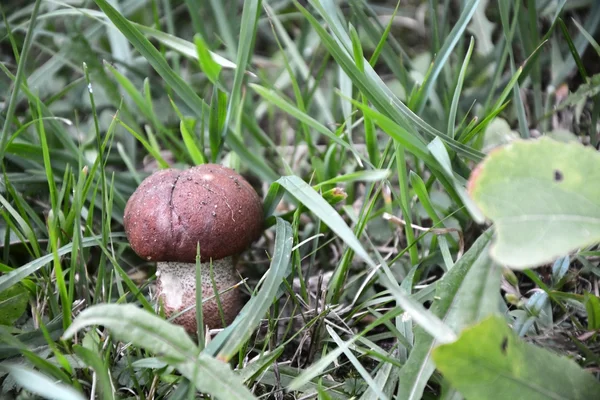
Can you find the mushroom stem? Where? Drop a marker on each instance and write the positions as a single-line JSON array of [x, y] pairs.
[[176, 291]]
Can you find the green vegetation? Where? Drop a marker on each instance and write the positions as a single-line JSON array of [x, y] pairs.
[[421, 241]]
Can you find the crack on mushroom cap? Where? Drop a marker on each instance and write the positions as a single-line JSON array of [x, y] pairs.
[[171, 205]]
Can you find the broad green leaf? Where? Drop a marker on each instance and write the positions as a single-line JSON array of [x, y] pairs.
[[491, 355], [129, 323], [13, 303], [543, 197], [40, 384]]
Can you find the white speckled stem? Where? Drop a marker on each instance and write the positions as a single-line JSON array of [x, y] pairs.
[[176, 288], [178, 279]]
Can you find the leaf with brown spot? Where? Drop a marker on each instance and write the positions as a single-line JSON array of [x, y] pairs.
[[505, 367], [543, 197]]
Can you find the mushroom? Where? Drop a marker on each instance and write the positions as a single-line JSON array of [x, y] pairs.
[[173, 212]]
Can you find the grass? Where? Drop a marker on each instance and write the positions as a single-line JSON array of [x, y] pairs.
[[359, 123]]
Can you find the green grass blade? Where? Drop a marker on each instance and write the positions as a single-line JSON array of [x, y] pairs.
[[374, 175], [445, 52], [217, 118], [291, 109], [419, 367], [149, 147], [154, 57], [439, 152], [357, 365], [574, 53], [373, 87], [93, 360], [19, 79], [257, 307], [210, 67], [247, 35], [588, 37], [13, 277], [314, 202], [458, 89], [136, 96]]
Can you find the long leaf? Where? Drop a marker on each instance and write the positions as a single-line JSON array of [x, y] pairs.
[[40, 384], [129, 323], [453, 289], [257, 307]]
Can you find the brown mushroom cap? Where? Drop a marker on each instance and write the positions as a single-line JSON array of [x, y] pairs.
[[172, 211]]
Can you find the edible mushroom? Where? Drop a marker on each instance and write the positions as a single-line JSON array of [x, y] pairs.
[[173, 212]]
